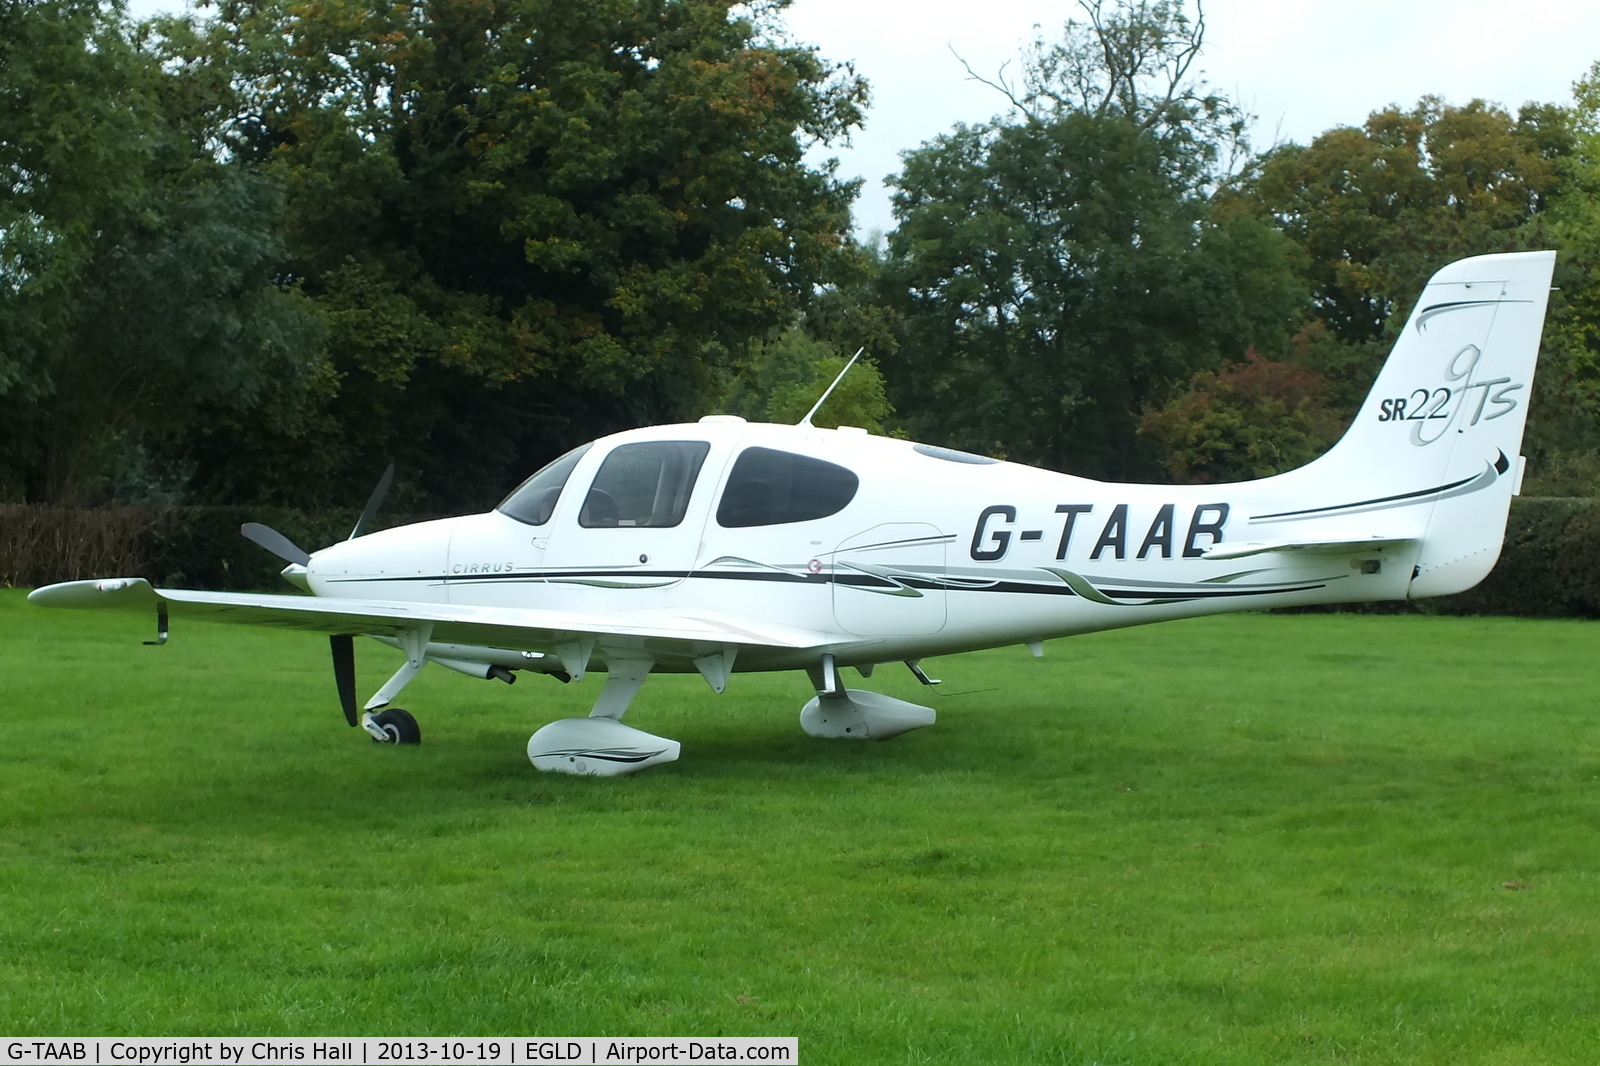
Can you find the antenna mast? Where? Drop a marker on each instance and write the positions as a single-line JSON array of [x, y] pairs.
[[806, 421]]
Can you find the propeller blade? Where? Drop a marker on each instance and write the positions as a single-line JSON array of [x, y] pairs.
[[374, 502], [275, 542], [344, 672]]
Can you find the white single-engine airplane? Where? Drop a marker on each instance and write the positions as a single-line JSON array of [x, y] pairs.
[[723, 546]]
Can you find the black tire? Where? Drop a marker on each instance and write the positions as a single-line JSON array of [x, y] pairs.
[[398, 723]]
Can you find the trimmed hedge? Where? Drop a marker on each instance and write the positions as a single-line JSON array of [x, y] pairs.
[[1549, 568], [193, 547]]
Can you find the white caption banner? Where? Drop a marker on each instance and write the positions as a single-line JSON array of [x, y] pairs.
[[387, 1051]]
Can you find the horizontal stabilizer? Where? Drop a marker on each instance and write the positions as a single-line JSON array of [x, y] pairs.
[[1309, 547]]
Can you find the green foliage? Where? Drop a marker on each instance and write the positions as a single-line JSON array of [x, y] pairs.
[[1566, 474], [785, 376], [527, 223], [1248, 420], [137, 273], [1288, 844], [250, 255], [1056, 271]]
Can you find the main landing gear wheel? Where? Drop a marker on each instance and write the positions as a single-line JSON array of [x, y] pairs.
[[398, 725]]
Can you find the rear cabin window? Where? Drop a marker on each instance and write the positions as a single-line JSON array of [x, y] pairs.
[[769, 487], [644, 485], [534, 501]]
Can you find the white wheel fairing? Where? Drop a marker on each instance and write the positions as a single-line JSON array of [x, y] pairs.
[[597, 747], [862, 715]]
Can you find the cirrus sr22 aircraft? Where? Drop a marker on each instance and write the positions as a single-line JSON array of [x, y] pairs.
[[722, 547]]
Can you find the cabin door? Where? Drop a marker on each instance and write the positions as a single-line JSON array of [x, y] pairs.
[[640, 522]]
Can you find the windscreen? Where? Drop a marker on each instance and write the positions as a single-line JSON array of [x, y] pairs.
[[534, 501]]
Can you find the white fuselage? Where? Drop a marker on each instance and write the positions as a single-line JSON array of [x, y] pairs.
[[934, 553]]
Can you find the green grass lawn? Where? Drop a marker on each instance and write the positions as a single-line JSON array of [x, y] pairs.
[[1251, 839]]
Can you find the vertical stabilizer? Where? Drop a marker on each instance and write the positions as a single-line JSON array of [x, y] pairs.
[[1436, 446]]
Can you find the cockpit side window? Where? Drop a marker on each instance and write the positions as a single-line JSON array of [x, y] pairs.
[[644, 485], [534, 501], [769, 487]]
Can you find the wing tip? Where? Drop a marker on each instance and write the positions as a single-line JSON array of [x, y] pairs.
[[94, 592]]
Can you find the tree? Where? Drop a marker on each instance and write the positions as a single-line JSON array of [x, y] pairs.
[[136, 270], [526, 222], [1247, 420], [1378, 209], [1059, 269], [1565, 419]]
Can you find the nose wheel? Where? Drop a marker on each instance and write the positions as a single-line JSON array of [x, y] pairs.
[[392, 726]]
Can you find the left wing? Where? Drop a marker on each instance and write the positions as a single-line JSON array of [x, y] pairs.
[[662, 634]]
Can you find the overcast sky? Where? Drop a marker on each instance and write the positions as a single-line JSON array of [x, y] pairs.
[[1301, 66]]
